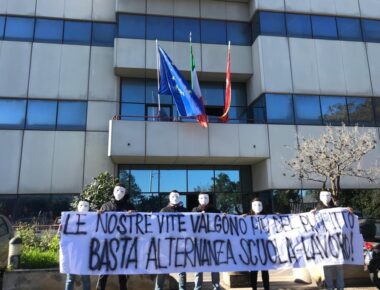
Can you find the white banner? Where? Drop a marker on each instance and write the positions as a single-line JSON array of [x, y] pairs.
[[146, 243]]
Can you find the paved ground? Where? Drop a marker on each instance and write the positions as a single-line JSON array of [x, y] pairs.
[[280, 279]]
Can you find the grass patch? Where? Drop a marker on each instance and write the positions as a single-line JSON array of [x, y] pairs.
[[37, 259]]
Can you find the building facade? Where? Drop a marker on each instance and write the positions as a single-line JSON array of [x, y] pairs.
[[68, 67]]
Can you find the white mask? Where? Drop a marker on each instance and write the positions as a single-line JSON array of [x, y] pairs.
[[174, 197], [118, 192], [203, 199], [83, 206], [257, 207], [325, 197]]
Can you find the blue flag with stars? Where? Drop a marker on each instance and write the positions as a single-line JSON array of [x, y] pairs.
[[173, 83]]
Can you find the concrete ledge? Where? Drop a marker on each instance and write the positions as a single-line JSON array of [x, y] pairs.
[[48, 279]]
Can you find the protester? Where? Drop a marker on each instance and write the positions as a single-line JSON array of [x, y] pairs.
[[119, 203], [326, 201], [174, 206], [257, 208], [83, 206], [203, 207]]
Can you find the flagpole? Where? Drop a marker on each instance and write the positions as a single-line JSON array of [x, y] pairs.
[[158, 80]]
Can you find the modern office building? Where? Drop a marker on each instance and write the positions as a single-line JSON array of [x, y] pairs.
[[67, 67]]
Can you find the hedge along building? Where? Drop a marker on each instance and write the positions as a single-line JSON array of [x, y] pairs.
[[67, 67]]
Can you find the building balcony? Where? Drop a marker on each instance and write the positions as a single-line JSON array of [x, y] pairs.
[[144, 142]]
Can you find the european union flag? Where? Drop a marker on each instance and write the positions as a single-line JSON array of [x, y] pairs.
[[173, 83]]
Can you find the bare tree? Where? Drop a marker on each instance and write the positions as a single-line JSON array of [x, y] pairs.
[[336, 153]]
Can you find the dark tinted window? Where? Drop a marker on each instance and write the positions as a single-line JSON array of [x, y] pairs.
[[298, 25], [257, 110], [360, 111], [182, 28], [239, 33], [12, 113], [324, 27], [279, 109], [213, 94], [239, 94], [133, 90], [349, 28], [131, 26], [77, 32], [128, 111], [152, 95], [19, 28], [307, 110], [72, 115], [334, 110], [213, 31], [376, 104], [41, 114], [159, 27], [237, 115], [2, 25], [103, 34], [272, 23], [371, 30], [153, 114], [49, 30]]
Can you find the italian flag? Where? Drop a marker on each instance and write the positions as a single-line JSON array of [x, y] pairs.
[[202, 119], [227, 102]]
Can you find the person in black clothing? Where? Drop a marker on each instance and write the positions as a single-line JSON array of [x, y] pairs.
[[204, 207], [257, 208], [174, 206], [119, 203]]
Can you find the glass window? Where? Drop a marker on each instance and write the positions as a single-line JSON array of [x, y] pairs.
[[154, 115], [49, 30], [200, 180], [349, 28], [146, 180], [152, 95], [227, 181], [376, 104], [19, 28], [257, 111], [360, 111], [41, 115], [131, 26], [371, 30], [213, 93], [324, 27], [133, 90], [279, 109], [159, 27], [298, 25], [239, 33], [229, 202], [12, 113], [272, 23], [2, 25], [237, 115], [182, 28], [72, 115], [172, 179], [238, 94], [307, 110], [132, 111], [77, 32], [334, 110], [213, 31], [103, 34]]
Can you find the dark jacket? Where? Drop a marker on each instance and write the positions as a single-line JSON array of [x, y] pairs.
[[174, 208], [118, 205], [321, 205], [208, 208], [251, 212]]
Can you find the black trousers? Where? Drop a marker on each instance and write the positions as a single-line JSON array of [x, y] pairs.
[[102, 282], [264, 276]]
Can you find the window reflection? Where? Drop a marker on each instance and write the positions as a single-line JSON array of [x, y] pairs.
[[49, 30], [19, 28], [12, 113], [182, 28], [272, 23], [324, 27], [41, 114], [77, 32], [334, 110], [72, 115], [360, 111], [159, 27], [213, 31], [229, 202], [279, 109], [146, 180], [172, 179], [2, 25], [200, 180], [371, 30], [103, 34], [349, 28], [307, 110], [298, 25], [131, 26], [226, 181]]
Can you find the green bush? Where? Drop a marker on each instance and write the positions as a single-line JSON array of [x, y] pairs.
[[40, 249]]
